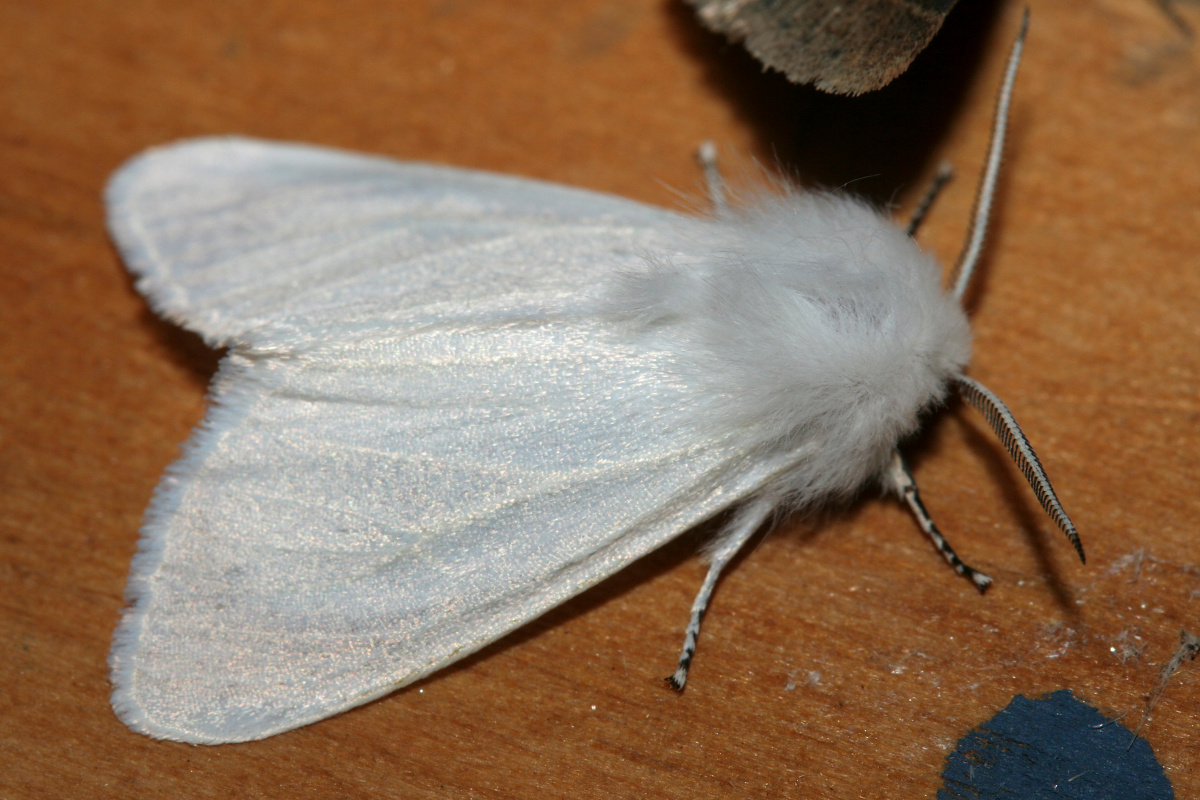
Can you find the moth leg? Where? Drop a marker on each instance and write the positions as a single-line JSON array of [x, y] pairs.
[[714, 184], [944, 173], [899, 478], [730, 540]]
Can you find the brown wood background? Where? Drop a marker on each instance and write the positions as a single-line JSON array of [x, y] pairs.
[[841, 659]]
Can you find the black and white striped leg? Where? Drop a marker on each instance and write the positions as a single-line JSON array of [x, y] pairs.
[[713, 182], [737, 532], [901, 481]]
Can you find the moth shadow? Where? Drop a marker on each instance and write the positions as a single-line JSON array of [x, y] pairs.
[[883, 140], [184, 348]]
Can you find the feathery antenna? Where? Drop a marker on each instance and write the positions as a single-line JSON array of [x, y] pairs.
[[977, 232], [1014, 440]]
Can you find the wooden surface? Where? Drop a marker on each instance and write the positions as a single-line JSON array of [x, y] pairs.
[[841, 659]]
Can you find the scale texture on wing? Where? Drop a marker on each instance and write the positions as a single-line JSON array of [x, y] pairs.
[[228, 234], [424, 435]]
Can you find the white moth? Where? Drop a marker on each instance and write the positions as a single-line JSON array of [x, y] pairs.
[[452, 400]]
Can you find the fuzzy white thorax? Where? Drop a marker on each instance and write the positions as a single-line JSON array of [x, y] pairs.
[[812, 322]]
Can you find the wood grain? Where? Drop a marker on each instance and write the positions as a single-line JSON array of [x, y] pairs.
[[841, 659]]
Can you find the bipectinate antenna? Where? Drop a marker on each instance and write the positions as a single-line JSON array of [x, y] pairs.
[[969, 257], [898, 477], [1014, 440]]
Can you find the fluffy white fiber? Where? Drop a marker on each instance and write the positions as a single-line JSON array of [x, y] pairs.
[[811, 320]]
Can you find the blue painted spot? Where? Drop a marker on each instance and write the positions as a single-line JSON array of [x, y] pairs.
[[1053, 747]]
